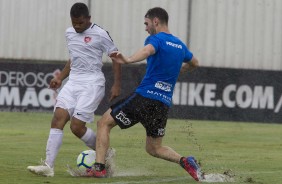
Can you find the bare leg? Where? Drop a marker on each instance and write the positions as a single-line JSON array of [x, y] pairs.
[[78, 127], [85, 134], [104, 126], [60, 118], [154, 147]]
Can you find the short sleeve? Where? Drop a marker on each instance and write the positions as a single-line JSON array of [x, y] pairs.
[[188, 55], [107, 43], [153, 40]]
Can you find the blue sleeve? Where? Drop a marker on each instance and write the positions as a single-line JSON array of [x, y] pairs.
[[153, 41], [188, 54]]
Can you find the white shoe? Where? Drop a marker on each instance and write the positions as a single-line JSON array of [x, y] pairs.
[[43, 170], [110, 164]]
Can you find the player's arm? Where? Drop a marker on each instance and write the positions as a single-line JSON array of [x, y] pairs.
[[65, 72], [116, 88], [140, 55], [108, 47], [190, 65], [56, 82]]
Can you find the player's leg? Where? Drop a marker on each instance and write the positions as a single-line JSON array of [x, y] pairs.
[[155, 148], [122, 114], [85, 134], [88, 136], [104, 126], [54, 142], [155, 124], [88, 100], [63, 108]]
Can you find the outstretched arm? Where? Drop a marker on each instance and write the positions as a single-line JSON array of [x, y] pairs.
[[140, 55]]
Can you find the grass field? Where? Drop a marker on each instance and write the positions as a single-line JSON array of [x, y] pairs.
[[253, 152]]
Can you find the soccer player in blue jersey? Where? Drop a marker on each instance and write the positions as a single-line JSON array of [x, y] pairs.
[[166, 56]]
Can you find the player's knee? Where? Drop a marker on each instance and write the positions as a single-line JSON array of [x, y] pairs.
[[58, 123], [73, 128], [60, 118], [105, 125], [152, 150], [77, 130]]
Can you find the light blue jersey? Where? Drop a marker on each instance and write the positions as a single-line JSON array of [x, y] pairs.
[[163, 67]]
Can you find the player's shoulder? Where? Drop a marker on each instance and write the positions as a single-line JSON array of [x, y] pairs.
[[97, 28], [151, 38], [176, 40], [100, 31]]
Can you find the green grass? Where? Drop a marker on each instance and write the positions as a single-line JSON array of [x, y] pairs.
[[252, 151]]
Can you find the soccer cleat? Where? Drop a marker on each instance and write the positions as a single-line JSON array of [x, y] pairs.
[[108, 171], [43, 170], [192, 167], [97, 174]]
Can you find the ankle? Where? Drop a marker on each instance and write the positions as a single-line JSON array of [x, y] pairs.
[[99, 166], [181, 162]]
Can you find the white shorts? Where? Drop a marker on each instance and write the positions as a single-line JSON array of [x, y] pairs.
[[80, 100]]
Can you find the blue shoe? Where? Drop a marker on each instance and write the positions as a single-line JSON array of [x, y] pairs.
[[192, 167]]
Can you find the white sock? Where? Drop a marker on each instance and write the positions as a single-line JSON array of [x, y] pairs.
[[89, 138], [53, 145]]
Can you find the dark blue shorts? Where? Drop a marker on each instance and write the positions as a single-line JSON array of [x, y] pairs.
[[152, 114]]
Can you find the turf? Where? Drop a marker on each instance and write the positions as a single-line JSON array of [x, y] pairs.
[[251, 151]]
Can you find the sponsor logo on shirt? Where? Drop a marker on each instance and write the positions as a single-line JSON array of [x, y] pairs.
[[163, 86], [87, 39], [122, 118], [161, 96], [174, 45]]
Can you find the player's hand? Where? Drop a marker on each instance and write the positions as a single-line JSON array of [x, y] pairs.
[[55, 83], [118, 57]]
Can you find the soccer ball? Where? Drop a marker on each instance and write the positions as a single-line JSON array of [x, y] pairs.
[[86, 159]]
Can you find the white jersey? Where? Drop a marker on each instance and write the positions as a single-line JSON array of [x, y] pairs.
[[86, 51]]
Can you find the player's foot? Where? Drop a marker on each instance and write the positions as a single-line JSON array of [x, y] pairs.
[[109, 162], [43, 170], [107, 170], [192, 167], [96, 172]]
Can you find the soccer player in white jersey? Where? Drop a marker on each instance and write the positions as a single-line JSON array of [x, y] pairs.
[[83, 92]]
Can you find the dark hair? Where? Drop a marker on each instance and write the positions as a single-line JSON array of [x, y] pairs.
[[78, 10], [159, 13]]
